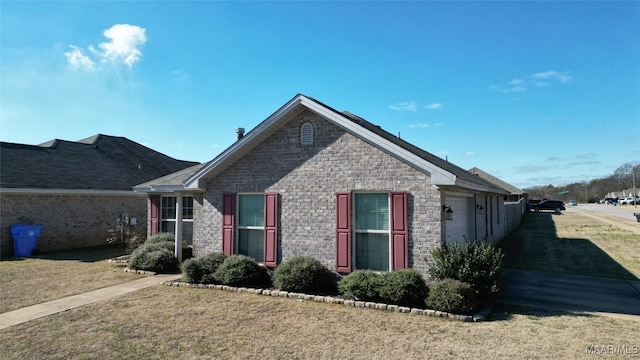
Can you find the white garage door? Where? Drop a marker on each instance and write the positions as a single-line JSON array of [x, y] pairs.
[[459, 228]]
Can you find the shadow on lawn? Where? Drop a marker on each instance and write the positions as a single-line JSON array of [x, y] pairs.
[[90, 254], [535, 245], [502, 312]]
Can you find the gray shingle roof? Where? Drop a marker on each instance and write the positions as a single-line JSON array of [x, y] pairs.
[[100, 162], [433, 159], [505, 185]]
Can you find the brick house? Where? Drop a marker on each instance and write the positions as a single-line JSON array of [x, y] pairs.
[[310, 180], [76, 190]]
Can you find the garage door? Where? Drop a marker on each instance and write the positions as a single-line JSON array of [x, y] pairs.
[[459, 228]]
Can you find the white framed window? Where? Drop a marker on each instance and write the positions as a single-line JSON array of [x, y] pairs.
[[306, 134], [168, 217], [371, 231], [251, 226]]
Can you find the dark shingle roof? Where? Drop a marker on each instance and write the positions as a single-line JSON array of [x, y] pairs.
[[459, 172], [100, 162], [505, 185]]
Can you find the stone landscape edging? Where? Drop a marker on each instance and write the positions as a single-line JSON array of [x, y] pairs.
[[481, 316]]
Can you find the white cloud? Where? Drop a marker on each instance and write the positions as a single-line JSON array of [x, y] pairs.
[[405, 105], [419, 125], [123, 47], [434, 106], [516, 82], [552, 75], [79, 60], [469, 153]]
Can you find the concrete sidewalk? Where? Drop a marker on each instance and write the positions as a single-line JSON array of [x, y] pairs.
[[537, 289], [20, 316]]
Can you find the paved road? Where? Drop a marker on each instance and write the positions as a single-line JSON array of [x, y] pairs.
[[580, 293]]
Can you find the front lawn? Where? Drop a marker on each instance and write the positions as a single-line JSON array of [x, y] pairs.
[[50, 276], [185, 323]]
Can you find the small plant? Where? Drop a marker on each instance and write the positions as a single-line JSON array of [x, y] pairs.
[[304, 274], [362, 285], [479, 264], [404, 287], [201, 270], [241, 270], [452, 296], [129, 238]]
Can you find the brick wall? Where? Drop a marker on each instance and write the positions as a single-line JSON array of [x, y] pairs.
[[70, 221], [307, 178]]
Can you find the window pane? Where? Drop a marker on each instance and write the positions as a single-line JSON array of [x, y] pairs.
[[187, 232], [168, 227], [168, 207], [372, 251], [251, 210], [251, 243], [187, 207], [372, 211]]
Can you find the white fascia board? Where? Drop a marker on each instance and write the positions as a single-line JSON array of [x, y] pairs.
[[67, 192], [164, 189], [193, 182], [438, 176], [481, 188]]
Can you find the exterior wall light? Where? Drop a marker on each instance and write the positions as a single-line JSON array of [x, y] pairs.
[[480, 209], [448, 213]]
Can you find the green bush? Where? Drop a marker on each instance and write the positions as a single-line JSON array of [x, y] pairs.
[[404, 287], [155, 254], [161, 238], [304, 274], [153, 257], [452, 296], [362, 285], [201, 270], [241, 270], [479, 264]]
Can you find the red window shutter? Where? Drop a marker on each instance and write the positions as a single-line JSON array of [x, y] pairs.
[[399, 231], [228, 223], [343, 232], [155, 211], [271, 229]]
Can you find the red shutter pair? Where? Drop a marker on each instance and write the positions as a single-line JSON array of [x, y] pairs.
[[270, 226], [399, 231]]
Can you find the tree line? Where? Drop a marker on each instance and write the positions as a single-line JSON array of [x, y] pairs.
[[622, 179]]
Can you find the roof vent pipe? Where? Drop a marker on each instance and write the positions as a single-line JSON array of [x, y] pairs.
[[240, 132]]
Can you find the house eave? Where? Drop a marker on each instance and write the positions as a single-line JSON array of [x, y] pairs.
[[29, 191], [166, 189]]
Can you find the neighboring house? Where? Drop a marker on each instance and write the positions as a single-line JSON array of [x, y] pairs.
[[76, 190], [310, 180]]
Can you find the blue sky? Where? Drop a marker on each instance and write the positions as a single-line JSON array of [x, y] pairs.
[[535, 93]]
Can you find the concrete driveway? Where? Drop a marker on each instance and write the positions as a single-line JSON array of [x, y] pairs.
[[572, 293]]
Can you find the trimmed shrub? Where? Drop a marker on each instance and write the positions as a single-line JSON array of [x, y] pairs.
[[241, 270], [404, 287], [153, 258], [155, 254], [479, 264], [304, 274], [362, 285], [201, 270], [161, 238], [452, 296]]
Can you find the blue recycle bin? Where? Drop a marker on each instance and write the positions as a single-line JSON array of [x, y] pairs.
[[25, 239]]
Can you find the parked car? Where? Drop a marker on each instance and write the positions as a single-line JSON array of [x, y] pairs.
[[555, 205], [573, 203], [626, 201], [610, 200]]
